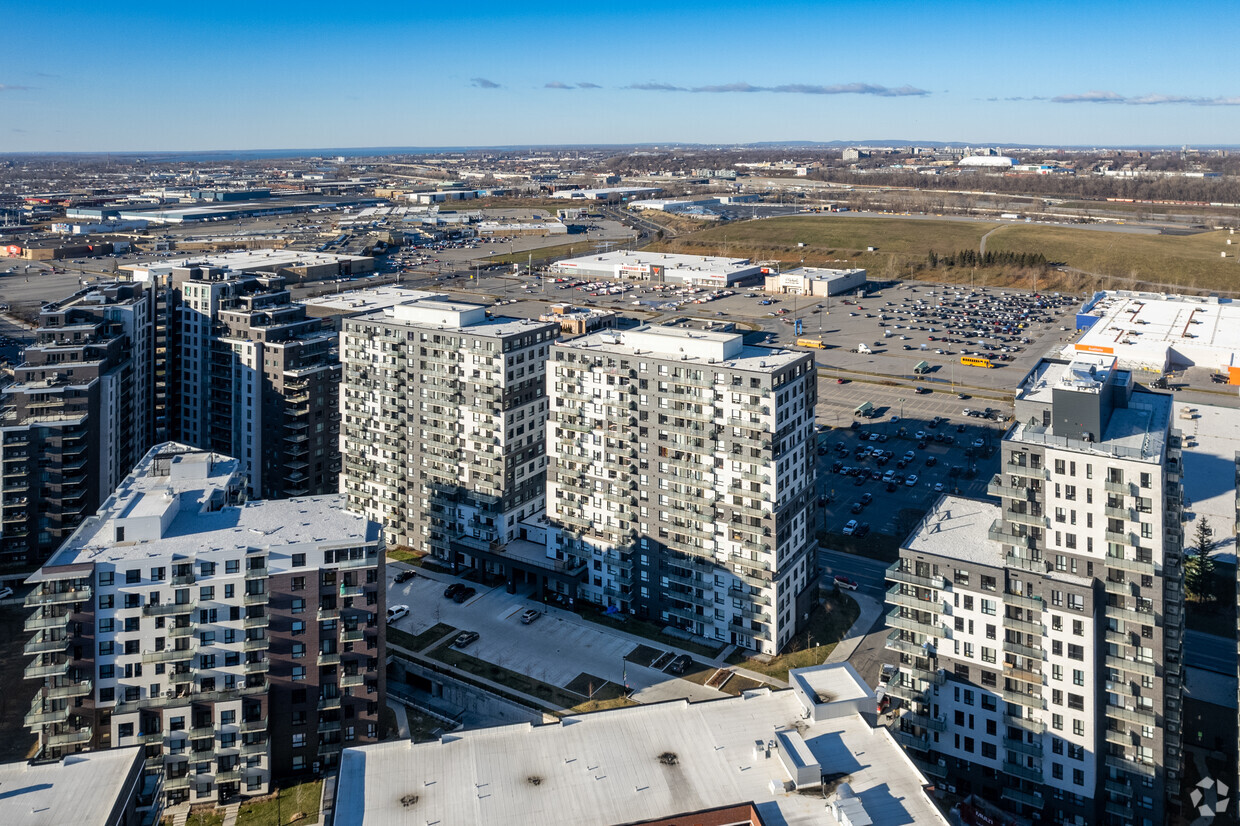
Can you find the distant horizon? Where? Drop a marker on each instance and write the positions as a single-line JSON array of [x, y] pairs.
[[146, 77], [772, 145]]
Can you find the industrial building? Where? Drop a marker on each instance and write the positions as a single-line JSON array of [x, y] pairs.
[[1040, 640], [489, 229], [681, 471], [612, 193], [216, 210], [816, 282], [444, 416], [300, 264], [763, 757], [76, 417], [661, 267], [1158, 332], [235, 642]]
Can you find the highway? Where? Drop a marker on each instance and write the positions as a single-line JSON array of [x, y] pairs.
[[1210, 652]]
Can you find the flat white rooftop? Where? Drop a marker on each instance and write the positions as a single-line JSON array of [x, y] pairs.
[[367, 300], [628, 765], [243, 261], [173, 503], [712, 264], [695, 347], [1211, 442], [956, 528], [83, 789], [435, 313], [1153, 330]]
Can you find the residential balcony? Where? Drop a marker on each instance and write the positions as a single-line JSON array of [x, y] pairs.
[[1141, 717], [257, 666], [925, 721], [1023, 698], [82, 688], [895, 596], [1119, 787], [1034, 775], [1023, 626], [1131, 666], [74, 595], [70, 738], [1124, 764], [38, 671], [1024, 723], [1022, 601], [38, 715], [332, 658], [908, 578], [167, 609], [251, 726], [912, 741], [912, 649], [928, 627], [1129, 564], [1033, 749], [43, 643], [352, 680], [168, 655], [260, 644], [1027, 798], [1022, 650], [35, 622]]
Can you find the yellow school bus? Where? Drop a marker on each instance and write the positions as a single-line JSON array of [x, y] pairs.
[[810, 342], [975, 361]]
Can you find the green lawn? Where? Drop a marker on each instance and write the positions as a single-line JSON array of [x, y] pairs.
[[206, 816], [828, 623], [293, 804], [416, 642]]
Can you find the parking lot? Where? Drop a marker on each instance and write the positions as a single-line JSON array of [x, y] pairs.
[[895, 469], [557, 648]]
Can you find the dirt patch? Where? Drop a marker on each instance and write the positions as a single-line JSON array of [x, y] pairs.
[[645, 655]]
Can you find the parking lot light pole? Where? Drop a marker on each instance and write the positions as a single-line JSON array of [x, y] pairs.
[[901, 410]]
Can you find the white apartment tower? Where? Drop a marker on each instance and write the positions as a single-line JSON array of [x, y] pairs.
[[1040, 639], [443, 425], [681, 472], [235, 641]]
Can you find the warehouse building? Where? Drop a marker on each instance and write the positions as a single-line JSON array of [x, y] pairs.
[[662, 267], [1158, 332], [309, 266], [815, 282]]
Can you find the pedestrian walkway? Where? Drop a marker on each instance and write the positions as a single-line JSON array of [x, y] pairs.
[[180, 815], [871, 612], [230, 814], [402, 719]]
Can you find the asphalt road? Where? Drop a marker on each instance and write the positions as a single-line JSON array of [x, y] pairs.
[[1210, 652], [869, 573]]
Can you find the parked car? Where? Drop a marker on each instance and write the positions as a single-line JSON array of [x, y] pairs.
[[862, 529], [395, 612], [856, 507], [867, 498], [404, 575], [529, 615], [844, 582], [464, 594], [911, 480], [680, 664], [6, 592], [452, 590], [850, 527], [465, 638]]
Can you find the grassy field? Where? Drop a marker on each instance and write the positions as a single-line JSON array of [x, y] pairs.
[[1121, 260], [828, 623], [1151, 209], [1190, 261], [833, 240], [294, 804]]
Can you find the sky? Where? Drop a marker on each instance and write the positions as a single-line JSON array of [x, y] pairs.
[[272, 74]]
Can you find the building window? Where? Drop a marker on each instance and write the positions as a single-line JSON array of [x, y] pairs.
[[299, 650], [299, 627], [299, 672], [298, 605], [299, 762], [1078, 728], [299, 560], [299, 739]]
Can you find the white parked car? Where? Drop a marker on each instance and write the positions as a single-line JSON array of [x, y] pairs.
[[395, 612], [911, 480], [850, 527]]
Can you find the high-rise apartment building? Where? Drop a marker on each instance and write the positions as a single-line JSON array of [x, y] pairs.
[[681, 470], [253, 377], [1040, 639], [444, 420], [77, 416], [236, 641]]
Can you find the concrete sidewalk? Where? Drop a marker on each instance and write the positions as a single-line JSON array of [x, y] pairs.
[[871, 614]]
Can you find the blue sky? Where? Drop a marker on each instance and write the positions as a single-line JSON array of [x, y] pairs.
[[147, 76]]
